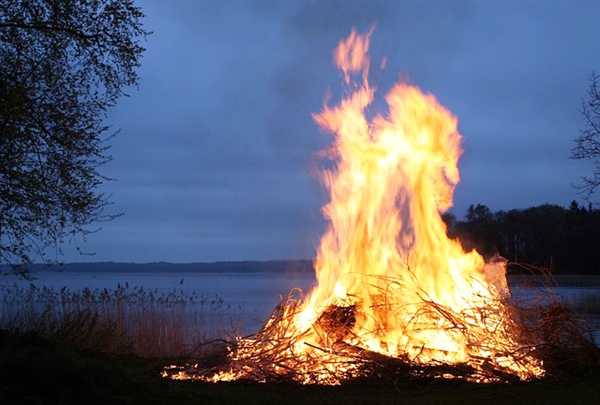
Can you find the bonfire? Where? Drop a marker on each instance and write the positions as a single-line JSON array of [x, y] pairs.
[[394, 293]]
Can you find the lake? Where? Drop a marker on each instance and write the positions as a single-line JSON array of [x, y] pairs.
[[255, 293]]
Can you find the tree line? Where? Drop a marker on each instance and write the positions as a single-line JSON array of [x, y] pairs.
[[549, 237]]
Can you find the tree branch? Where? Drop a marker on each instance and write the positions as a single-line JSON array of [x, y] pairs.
[[47, 26]]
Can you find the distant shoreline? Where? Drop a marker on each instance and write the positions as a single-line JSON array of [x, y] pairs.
[[277, 266], [563, 280], [281, 266]]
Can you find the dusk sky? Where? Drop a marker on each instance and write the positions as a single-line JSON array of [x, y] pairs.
[[216, 155]]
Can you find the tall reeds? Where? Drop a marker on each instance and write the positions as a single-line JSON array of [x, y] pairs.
[[124, 320]]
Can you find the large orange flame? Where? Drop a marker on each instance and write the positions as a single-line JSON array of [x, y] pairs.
[[386, 249], [390, 282]]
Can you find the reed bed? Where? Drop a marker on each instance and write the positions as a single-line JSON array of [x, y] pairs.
[[122, 320], [586, 303]]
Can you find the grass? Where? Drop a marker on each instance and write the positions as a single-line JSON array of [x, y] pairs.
[[38, 370], [123, 320], [585, 303]]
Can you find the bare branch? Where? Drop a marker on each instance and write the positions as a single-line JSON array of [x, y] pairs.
[[587, 144], [48, 27]]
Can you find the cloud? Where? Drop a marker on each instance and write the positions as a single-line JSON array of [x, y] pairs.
[[216, 155]]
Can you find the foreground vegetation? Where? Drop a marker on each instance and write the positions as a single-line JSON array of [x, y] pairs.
[[37, 370], [124, 320], [109, 347]]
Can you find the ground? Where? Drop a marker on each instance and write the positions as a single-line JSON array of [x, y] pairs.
[[36, 370]]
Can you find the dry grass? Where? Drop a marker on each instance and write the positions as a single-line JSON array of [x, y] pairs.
[[566, 339], [123, 320], [585, 303]]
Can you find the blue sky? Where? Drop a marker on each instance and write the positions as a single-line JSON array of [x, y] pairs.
[[217, 149]]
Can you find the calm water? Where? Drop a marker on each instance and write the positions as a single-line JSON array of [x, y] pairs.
[[256, 293]]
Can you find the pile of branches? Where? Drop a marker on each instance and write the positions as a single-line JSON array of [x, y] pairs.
[[267, 357], [554, 336]]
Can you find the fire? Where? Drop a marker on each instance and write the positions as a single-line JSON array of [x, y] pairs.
[[390, 284]]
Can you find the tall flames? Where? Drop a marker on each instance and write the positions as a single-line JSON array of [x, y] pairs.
[[392, 288]]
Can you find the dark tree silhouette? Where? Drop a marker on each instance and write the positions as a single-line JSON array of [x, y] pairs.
[[63, 65], [478, 230], [587, 144], [547, 236]]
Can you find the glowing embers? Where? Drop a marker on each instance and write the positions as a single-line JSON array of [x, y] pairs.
[[395, 295]]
